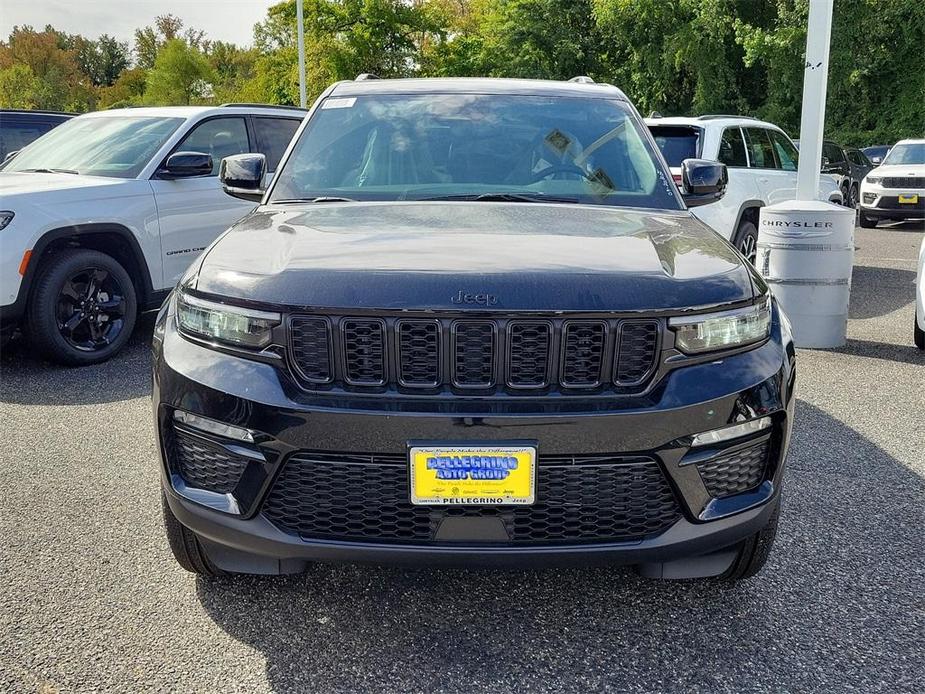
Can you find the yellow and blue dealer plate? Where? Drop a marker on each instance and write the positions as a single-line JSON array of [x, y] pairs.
[[909, 198], [473, 475]]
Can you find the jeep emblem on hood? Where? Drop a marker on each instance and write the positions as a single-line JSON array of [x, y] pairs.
[[485, 299]]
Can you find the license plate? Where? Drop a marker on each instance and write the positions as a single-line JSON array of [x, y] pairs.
[[909, 197], [472, 475]]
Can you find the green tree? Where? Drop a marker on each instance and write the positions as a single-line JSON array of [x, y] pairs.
[[181, 74], [19, 87]]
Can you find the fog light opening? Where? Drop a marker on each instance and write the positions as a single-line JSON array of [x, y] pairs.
[[735, 431], [212, 426]]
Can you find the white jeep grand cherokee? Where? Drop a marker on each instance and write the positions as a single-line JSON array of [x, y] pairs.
[[102, 215], [895, 189], [761, 161]]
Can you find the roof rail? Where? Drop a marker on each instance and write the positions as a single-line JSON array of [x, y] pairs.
[[363, 76], [39, 110], [582, 79], [722, 115], [249, 105]]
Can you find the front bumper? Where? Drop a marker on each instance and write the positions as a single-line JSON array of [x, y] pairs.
[[285, 421], [878, 202]]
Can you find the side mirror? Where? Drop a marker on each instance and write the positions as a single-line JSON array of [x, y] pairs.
[[186, 165], [702, 181], [242, 176]]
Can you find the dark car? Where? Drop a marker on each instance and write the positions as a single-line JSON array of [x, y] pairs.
[[835, 161], [473, 323], [860, 166], [876, 153], [19, 128]]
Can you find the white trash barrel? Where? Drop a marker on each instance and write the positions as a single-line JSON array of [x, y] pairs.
[[805, 253]]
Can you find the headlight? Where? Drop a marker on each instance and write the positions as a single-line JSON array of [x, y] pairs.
[[233, 325], [713, 331], [874, 180], [6, 216]]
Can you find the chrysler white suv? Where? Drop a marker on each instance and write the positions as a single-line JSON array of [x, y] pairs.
[[895, 189], [761, 161], [101, 216]]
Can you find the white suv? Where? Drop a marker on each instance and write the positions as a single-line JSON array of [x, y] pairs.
[[761, 161], [896, 188], [101, 216]]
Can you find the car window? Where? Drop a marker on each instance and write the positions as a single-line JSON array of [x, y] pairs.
[[220, 137], [414, 147], [114, 146], [760, 149], [732, 148], [833, 153], [16, 134], [273, 136], [676, 143], [906, 153], [787, 154]]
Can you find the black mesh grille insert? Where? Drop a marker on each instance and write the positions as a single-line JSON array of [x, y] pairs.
[[735, 472], [602, 499], [311, 348], [419, 353], [528, 354], [205, 465], [583, 355], [364, 355], [636, 352], [474, 354]]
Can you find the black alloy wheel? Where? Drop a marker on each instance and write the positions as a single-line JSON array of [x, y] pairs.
[[91, 309], [82, 309]]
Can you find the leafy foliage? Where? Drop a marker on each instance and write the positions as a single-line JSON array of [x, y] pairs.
[[671, 56]]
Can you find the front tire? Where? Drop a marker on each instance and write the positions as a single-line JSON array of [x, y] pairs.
[[185, 545], [754, 551], [746, 240], [83, 308], [865, 221]]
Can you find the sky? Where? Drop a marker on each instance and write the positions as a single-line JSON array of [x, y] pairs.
[[225, 20]]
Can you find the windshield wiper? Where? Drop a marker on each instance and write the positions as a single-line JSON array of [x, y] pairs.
[[65, 171], [503, 197], [321, 198]]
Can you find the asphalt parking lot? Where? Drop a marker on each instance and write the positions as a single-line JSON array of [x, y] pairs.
[[93, 601]]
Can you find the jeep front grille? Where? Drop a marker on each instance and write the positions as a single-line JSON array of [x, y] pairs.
[[447, 354]]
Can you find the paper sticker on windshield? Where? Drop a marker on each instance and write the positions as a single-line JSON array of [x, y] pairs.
[[341, 102]]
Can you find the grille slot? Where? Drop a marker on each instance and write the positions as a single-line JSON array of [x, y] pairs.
[[205, 465], [310, 342], [419, 353], [364, 352], [473, 354], [608, 499], [528, 354], [637, 350], [735, 472], [583, 355]]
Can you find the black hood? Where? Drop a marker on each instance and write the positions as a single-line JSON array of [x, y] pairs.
[[423, 255]]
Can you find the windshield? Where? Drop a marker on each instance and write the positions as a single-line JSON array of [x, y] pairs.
[[677, 143], [459, 146], [117, 146], [907, 153]]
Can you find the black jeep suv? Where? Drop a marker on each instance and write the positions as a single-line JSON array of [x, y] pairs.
[[472, 322]]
